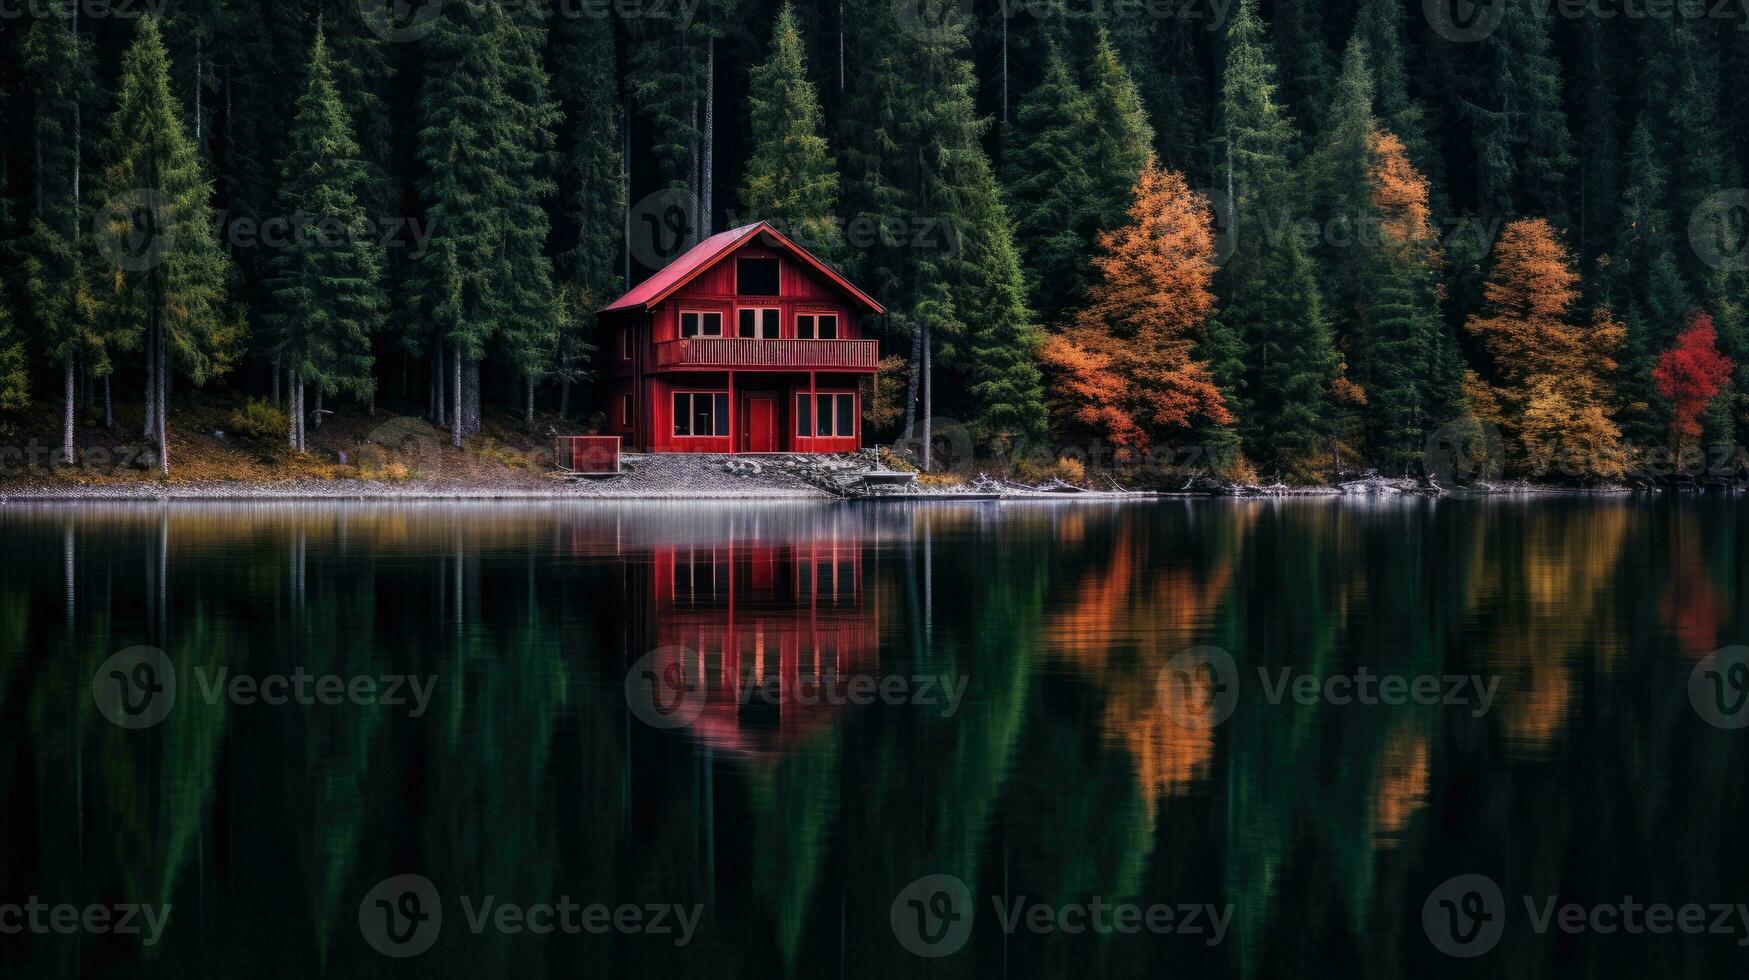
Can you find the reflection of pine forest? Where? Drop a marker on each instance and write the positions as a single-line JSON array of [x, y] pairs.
[[1063, 775]]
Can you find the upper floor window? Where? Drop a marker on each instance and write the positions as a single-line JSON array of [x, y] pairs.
[[817, 326], [756, 277], [760, 324], [696, 323]]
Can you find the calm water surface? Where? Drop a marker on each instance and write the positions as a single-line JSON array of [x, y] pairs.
[[868, 696]]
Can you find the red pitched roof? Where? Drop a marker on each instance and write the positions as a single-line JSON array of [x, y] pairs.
[[713, 250]]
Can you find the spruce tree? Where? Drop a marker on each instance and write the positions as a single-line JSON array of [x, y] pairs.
[[1644, 284], [487, 132], [1120, 144], [168, 275], [592, 190], [1049, 182], [791, 179], [14, 373], [327, 282], [59, 286], [1272, 303], [1513, 97], [1307, 72]]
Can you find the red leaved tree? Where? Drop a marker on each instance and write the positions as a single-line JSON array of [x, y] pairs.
[[1690, 373]]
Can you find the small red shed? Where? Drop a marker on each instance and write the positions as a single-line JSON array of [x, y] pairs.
[[746, 343]]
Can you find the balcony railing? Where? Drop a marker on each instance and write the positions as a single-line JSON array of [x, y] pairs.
[[744, 352]]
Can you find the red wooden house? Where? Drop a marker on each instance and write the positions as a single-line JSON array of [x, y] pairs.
[[744, 344]]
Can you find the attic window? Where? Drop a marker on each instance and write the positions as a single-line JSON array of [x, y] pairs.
[[756, 277]]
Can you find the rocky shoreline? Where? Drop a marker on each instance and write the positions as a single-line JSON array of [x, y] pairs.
[[707, 478]]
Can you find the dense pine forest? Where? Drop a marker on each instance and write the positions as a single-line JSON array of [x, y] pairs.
[[1287, 240]]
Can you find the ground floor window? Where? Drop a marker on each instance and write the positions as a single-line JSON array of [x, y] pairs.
[[701, 413], [834, 413]]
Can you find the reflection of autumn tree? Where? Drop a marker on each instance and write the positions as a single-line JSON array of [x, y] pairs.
[[1543, 592], [1401, 782], [1124, 621]]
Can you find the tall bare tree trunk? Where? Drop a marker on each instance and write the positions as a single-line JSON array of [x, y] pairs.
[[108, 403], [528, 406], [455, 415], [473, 390], [163, 387], [911, 382], [67, 449], [149, 430], [275, 372], [565, 400], [928, 399], [291, 415]]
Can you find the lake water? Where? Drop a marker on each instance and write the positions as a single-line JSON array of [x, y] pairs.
[[1185, 738]]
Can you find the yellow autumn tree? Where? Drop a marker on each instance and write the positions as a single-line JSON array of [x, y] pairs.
[[1126, 369], [1551, 387]]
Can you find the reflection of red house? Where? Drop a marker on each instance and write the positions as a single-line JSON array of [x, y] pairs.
[[774, 626], [745, 343]]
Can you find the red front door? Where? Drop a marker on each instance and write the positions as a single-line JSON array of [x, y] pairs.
[[759, 434]]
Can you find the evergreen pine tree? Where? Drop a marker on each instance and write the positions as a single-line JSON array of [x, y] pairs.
[[791, 179], [1644, 284], [168, 274], [1120, 143], [487, 131], [1307, 72], [327, 282], [14, 373], [592, 190], [1272, 303], [59, 286], [1049, 182]]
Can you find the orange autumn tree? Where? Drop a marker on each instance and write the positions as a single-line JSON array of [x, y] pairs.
[[1126, 369], [1689, 374], [1551, 388]]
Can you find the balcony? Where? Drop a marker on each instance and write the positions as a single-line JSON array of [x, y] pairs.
[[747, 353]]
